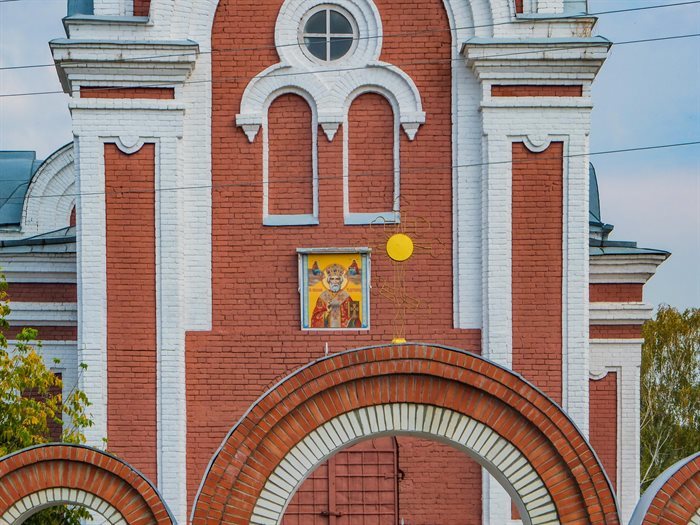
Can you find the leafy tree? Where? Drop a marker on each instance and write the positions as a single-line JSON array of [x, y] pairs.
[[670, 390], [30, 399]]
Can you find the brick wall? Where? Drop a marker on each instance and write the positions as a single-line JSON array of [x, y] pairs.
[[133, 93], [603, 414], [616, 293], [439, 484], [371, 154], [537, 266], [131, 306], [290, 156], [256, 337], [529, 90], [43, 292], [615, 331], [47, 333], [142, 7]]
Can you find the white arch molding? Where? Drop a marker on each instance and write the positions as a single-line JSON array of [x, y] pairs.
[[504, 461], [51, 194], [46, 498]]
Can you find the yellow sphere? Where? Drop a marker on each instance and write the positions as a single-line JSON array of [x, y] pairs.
[[399, 247]]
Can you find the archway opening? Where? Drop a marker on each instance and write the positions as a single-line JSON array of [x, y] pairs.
[[520, 435]]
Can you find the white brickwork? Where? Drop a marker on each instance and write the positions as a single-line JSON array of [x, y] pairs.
[[33, 503]]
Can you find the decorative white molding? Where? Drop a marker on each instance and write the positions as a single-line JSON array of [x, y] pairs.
[[45, 498], [55, 177], [43, 314], [620, 313], [38, 267], [632, 268], [537, 142], [106, 63], [129, 144], [331, 86], [484, 445]]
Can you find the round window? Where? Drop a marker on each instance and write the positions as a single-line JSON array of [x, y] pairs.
[[328, 33]]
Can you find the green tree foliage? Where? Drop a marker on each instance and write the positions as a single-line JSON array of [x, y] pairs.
[[670, 390], [24, 418]]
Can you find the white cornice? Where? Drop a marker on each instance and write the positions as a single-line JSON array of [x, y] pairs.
[[633, 268], [43, 314], [129, 63], [39, 267], [573, 60], [620, 313]]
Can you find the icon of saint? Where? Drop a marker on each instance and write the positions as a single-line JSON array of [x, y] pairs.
[[334, 307]]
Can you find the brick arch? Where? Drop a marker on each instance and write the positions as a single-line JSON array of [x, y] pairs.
[[674, 497], [313, 407], [54, 474]]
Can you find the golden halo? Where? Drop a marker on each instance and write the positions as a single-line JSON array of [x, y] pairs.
[[399, 247]]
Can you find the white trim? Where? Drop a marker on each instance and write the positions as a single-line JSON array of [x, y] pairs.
[[43, 314], [484, 445], [623, 356], [38, 267], [636, 268], [633, 313], [55, 177]]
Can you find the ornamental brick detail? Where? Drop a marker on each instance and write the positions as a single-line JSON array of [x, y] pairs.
[[360, 393], [57, 474]]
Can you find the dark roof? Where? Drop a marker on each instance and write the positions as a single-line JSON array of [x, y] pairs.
[[594, 216], [16, 171], [62, 236]]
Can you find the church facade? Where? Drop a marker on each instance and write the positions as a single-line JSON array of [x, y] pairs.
[[331, 262]]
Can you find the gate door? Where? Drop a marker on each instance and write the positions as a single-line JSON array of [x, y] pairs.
[[358, 486]]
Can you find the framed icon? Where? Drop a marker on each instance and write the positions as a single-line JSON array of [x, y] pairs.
[[334, 287]]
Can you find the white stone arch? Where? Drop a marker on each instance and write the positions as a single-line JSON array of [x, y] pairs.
[[504, 461], [51, 194], [46, 498]]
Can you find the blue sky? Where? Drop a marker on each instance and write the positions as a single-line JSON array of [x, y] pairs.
[[646, 94]]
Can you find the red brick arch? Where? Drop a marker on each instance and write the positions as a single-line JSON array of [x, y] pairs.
[[449, 380], [673, 498], [93, 477]]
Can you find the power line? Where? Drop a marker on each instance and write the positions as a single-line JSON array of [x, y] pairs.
[[366, 174], [370, 37], [342, 70]]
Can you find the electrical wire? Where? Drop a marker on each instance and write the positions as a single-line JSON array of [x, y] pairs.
[[342, 70], [419, 171], [370, 37]]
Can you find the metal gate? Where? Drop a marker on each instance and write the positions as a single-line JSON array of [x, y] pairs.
[[358, 486]]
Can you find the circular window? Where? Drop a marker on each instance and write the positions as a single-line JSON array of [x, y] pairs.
[[328, 34]]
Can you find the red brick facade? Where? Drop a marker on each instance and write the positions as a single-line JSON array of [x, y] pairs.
[[133, 93], [530, 90], [616, 293], [603, 413], [537, 266], [131, 306], [256, 337], [43, 292], [290, 156], [371, 154]]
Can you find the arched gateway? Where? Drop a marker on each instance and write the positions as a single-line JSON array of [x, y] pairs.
[[56, 474], [520, 435]]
